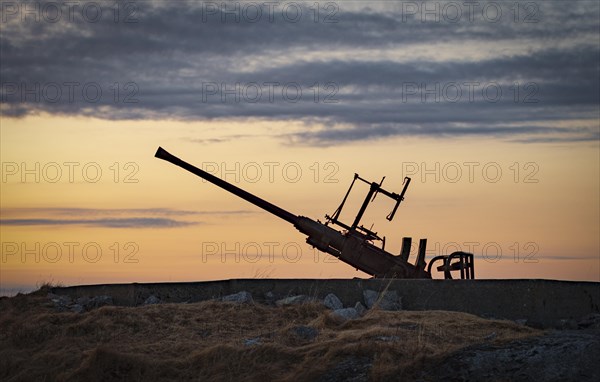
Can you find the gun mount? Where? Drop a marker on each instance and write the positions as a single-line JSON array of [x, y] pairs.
[[355, 245]]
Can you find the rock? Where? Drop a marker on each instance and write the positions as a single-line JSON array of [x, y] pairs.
[[370, 297], [567, 355], [591, 321], [60, 299], [307, 333], [83, 301], [151, 300], [332, 302], [567, 324], [360, 308], [269, 297], [252, 341], [387, 338], [242, 297], [98, 301], [77, 308], [387, 300], [81, 304], [351, 369], [292, 300], [346, 313], [490, 336]]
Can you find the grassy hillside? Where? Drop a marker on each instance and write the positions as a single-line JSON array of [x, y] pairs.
[[229, 342]]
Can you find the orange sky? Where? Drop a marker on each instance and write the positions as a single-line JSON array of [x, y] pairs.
[[490, 107], [543, 217]]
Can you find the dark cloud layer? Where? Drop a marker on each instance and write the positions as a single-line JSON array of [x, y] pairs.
[[206, 60], [106, 223], [70, 211], [106, 218]]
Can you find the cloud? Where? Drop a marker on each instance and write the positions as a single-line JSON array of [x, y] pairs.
[[106, 218], [533, 134], [69, 211], [375, 68], [105, 223], [223, 139]]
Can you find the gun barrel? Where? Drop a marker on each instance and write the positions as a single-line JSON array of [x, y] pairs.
[[269, 207]]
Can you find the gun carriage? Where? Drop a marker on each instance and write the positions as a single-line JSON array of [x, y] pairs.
[[355, 244]]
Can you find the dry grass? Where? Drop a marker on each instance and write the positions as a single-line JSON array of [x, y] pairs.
[[205, 341]]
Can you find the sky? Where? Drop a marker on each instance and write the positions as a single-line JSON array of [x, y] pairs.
[[490, 107]]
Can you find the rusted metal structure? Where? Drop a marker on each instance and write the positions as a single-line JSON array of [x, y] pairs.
[[355, 244]]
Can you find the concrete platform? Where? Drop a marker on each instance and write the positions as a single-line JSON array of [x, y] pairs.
[[541, 302]]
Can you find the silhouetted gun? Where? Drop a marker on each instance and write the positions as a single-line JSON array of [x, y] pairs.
[[355, 245]]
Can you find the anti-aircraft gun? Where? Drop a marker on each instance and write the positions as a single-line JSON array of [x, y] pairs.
[[355, 245]]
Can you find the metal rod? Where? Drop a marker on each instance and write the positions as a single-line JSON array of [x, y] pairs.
[[269, 207], [363, 208]]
